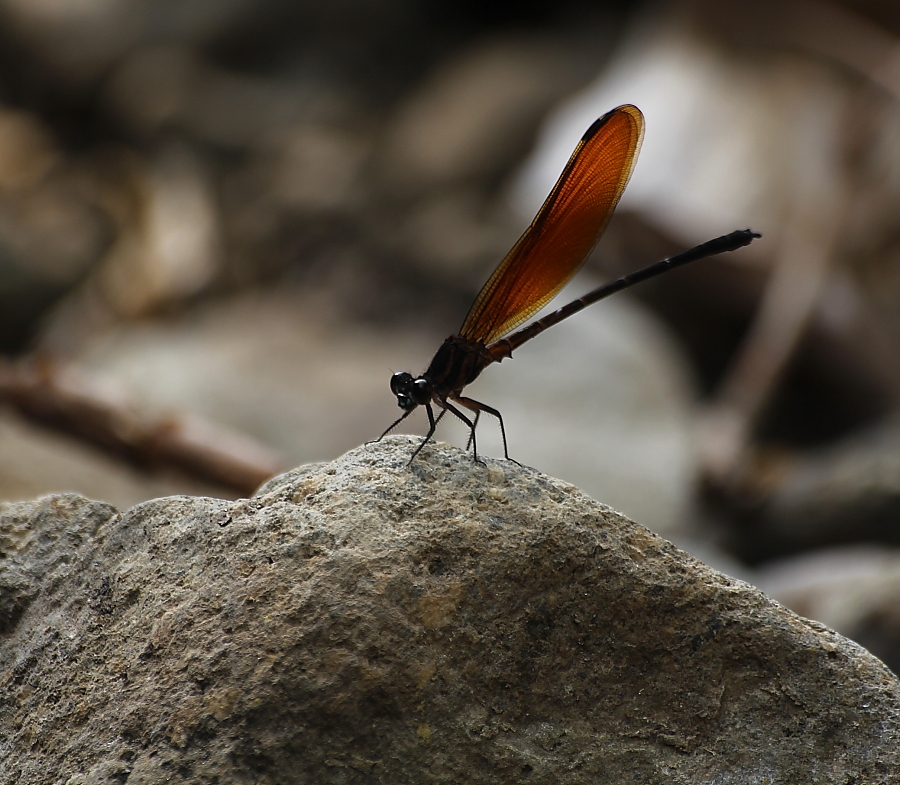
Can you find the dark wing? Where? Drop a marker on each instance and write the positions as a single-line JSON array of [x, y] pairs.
[[565, 230]]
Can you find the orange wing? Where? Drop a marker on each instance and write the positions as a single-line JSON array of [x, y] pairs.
[[565, 230]]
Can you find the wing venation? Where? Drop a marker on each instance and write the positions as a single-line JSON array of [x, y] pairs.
[[565, 230]]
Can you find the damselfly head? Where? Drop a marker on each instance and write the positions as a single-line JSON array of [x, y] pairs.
[[410, 391]]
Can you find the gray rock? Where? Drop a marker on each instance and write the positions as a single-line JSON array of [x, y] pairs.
[[367, 622], [854, 589]]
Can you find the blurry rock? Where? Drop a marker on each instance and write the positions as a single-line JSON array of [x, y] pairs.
[[164, 86], [316, 168], [453, 234], [453, 138], [171, 249], [35, 461], [445, 622], [474, 116], [27, 151], [853, 589], [79, 39], [152, 87], [167, 246], [51, 228], [847, 492], [603, 400], [283, 156]]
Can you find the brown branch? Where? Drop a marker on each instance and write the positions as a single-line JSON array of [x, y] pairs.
[[67, 402]]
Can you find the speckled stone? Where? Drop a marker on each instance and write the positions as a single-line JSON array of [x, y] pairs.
[[363, 621]]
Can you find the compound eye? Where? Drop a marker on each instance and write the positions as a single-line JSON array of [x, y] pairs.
[[400, 382], [421, 391]]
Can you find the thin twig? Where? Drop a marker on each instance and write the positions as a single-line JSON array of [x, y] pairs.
[[68, 402]]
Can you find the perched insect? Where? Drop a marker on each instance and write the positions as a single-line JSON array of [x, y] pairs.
[[540, 264]]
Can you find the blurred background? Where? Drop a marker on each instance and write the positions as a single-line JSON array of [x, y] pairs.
[[224, 223]]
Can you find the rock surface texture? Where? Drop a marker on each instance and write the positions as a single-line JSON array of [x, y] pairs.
[[448, 622]]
